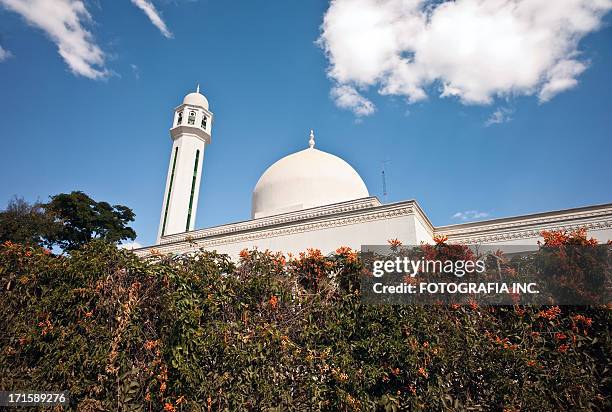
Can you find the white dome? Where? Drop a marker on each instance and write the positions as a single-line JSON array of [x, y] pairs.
[[305, 179], [196, 99]]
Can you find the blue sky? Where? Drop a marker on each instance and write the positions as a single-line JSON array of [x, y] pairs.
[[517, 124]]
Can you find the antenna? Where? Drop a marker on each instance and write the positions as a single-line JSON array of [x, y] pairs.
[[384, 182]]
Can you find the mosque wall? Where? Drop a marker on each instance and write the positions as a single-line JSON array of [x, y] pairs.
[[352, 224], [367, 221]]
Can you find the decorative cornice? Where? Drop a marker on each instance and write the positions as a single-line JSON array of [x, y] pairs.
[[276, 220], [537, 218], [528, 234], [326, 221], [370, 209], [530, 226]]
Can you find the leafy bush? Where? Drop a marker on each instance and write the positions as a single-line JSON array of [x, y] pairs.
[[269, 332]]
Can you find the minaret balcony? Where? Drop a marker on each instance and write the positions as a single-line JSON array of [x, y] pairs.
[[183, 129]]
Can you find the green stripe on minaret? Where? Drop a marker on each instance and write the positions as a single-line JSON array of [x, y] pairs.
[[169, 191], [193, 183]]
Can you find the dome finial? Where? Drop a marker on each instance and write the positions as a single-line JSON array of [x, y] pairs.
[[198, 88], [311, 142]]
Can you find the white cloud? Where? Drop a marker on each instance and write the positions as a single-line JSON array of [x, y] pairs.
[[500, 115], [561, 77], [130, 245], [348, 98], [153, 15], [4, 54], [63, 21], [475, 50], [470, 215]]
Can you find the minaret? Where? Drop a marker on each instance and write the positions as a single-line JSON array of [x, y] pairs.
[[190, 132]]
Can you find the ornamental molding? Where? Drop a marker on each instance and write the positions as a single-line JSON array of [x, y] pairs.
[[555, 218], [371, 209], [529, 233], [377, 213], [271, 221]]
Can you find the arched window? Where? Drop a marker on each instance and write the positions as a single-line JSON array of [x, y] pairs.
[[179, 120], [204, 119], [191, 119]]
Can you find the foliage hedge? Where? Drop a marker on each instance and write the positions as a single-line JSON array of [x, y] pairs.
[[201, 333]]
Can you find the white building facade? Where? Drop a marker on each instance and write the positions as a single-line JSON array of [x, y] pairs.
[[313, 199]]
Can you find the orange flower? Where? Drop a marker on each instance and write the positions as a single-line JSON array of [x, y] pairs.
[[244, 253], [563, 348], [273, 301], [150, 344], [314, 253], [394, 243], [148, 396], [562, 237], [88, 314], [583, 320], [169, 407], [279, 260], [554, 238], [440, 239], [348, 253], [549, 314], [531, 363], [423, 372], [560, 336], [505, 343]]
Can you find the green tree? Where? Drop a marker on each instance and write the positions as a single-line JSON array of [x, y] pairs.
[[22, 222], [81, 219]]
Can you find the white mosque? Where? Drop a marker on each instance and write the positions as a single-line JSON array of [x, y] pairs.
[[314, 199]]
